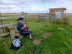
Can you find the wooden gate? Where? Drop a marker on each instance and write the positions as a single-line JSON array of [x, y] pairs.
[[5, 26]]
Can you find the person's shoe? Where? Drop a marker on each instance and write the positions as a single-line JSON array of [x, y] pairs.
[[32, 39]]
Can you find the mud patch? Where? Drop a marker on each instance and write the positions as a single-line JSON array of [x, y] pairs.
[[60, 28], [37, 42], [46, 35]]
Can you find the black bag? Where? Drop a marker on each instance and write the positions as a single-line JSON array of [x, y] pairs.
[[16, 43]]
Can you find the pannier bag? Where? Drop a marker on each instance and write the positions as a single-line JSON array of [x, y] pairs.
[[16, 43]]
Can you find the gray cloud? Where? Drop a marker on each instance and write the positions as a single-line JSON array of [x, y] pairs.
[[31, 6], [22, 2]]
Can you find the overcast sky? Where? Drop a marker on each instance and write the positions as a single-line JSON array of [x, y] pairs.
[[33, 6]]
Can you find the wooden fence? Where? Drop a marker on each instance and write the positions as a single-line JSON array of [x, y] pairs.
[[4, 27]]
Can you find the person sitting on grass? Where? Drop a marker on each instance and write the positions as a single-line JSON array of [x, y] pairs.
[[22, 28]]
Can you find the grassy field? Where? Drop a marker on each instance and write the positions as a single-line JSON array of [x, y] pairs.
[[58, 42]]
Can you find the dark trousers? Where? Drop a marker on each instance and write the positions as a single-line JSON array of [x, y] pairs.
[[25, 32]]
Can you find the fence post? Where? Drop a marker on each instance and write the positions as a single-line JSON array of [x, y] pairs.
[[39, 18], [12, 32], [25, 17], [1, 29], [22, 15], [54, 18], [48, 19]]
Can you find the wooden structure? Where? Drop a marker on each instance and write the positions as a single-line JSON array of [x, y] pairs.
[[60, 12], [8, 28]]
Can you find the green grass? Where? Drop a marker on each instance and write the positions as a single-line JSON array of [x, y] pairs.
[[5, 16], [8, 21], [59, 42]]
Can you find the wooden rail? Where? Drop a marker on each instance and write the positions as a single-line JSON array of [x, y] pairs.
[[6, 26], [4, 34], [4, 18]]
